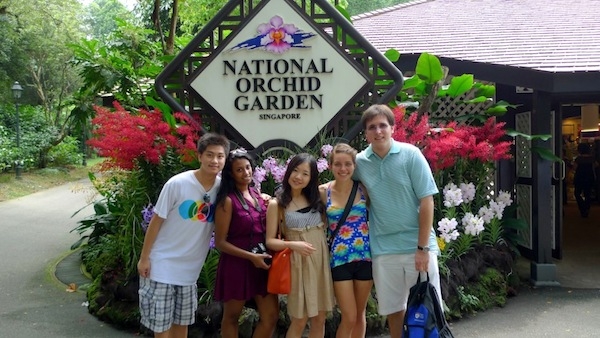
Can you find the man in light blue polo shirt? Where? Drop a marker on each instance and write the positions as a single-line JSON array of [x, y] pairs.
[[401, 188]]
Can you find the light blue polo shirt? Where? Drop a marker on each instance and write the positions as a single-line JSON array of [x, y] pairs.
[[395, 184]]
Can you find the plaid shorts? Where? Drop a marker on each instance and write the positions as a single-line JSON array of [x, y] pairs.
[[162, 305]]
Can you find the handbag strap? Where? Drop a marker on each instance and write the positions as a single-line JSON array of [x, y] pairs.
[[345, 213]]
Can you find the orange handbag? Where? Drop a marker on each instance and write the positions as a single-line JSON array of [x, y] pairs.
[[280, 281]]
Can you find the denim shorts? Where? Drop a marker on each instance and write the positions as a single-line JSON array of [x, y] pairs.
[[357, 270], [162, 305]]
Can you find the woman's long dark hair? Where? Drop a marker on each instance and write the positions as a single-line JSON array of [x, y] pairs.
[[311, 191], [227, 181]]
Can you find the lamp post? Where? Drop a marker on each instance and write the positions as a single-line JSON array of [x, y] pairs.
[[17, 90]]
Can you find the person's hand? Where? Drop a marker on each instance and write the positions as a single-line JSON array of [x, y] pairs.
[[303, 248], [143, 267], [259, 261], [421, 260]]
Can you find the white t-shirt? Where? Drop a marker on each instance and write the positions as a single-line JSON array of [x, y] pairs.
[[183, 240]]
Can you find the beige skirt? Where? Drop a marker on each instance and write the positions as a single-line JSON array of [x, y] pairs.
[[312, 286]]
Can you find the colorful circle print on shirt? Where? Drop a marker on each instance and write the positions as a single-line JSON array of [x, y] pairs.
[[197, 211]]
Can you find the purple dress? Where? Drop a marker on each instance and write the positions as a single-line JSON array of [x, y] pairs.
[[237, 278]]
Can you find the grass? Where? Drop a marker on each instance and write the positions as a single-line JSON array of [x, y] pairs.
[[40, 179]]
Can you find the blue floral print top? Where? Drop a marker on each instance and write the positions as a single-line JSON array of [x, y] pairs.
[[351, 242]]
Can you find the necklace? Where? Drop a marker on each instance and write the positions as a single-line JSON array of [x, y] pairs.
[[294, 203]]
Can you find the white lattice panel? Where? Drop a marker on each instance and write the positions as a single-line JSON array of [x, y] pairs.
[[522, 145], [523, 199], [448, 107]]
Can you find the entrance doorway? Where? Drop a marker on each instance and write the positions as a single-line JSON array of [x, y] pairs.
[[578, 266]]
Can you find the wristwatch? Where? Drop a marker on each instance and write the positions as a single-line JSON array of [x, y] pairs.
[[423, 248]]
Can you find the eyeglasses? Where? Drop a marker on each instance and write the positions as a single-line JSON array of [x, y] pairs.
[[206, 206]]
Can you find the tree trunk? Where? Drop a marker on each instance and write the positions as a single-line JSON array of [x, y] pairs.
[[172, 30], [426, 104]]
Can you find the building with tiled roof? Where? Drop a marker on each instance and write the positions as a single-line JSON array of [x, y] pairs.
[[550, 48]]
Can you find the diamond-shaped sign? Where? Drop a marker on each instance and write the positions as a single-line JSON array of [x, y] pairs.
[[279, 77]]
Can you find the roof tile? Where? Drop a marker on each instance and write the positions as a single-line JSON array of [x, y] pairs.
[[547, 35]]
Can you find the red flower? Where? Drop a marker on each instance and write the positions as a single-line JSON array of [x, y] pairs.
[[451, 142], [126, 138]]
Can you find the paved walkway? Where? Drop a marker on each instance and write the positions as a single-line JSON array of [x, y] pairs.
[[36, 236]]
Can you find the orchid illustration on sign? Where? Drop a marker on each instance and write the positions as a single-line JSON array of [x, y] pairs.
[[276, 37]]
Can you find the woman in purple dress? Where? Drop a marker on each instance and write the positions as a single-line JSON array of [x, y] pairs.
[[240, 235]]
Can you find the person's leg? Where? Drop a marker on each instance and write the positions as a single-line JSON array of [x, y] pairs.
[[184, 312], [232, 309], [165, 334], [391, 277], [395, 322], [268, 311], [317, 325], [157, 306], [296, 328], [344, 294], [178, 331], [578, 198], [587, 202], [362, 291]]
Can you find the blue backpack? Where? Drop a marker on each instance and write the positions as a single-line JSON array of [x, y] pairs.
[[424, 317]]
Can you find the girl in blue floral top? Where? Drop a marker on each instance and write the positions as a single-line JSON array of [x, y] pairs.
[[350, 251]]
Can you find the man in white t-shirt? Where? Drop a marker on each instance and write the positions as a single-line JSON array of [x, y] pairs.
[[177, 242]]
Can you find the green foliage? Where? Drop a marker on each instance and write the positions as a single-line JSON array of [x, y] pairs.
[[100, 17], [124, 64], [93, 228], [544, 153], [463, 244], [120, 313], [459, 85], [195, 14], [104, 253], [429, 69], [65, 153], [208, 277], [490, 290], [512, 229], [493, 233], [468, 303], [6, 149], [36, 137]]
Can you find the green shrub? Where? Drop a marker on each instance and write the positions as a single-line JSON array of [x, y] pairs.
[[65, 153], [490, 289], [96, 258]]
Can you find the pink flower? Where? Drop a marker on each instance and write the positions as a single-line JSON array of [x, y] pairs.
[[269, 163], [326, 150], [278, 172], [259, 176], [322, 165], [277, 37]]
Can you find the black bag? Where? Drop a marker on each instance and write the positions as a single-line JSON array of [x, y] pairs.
[[424, 317]]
